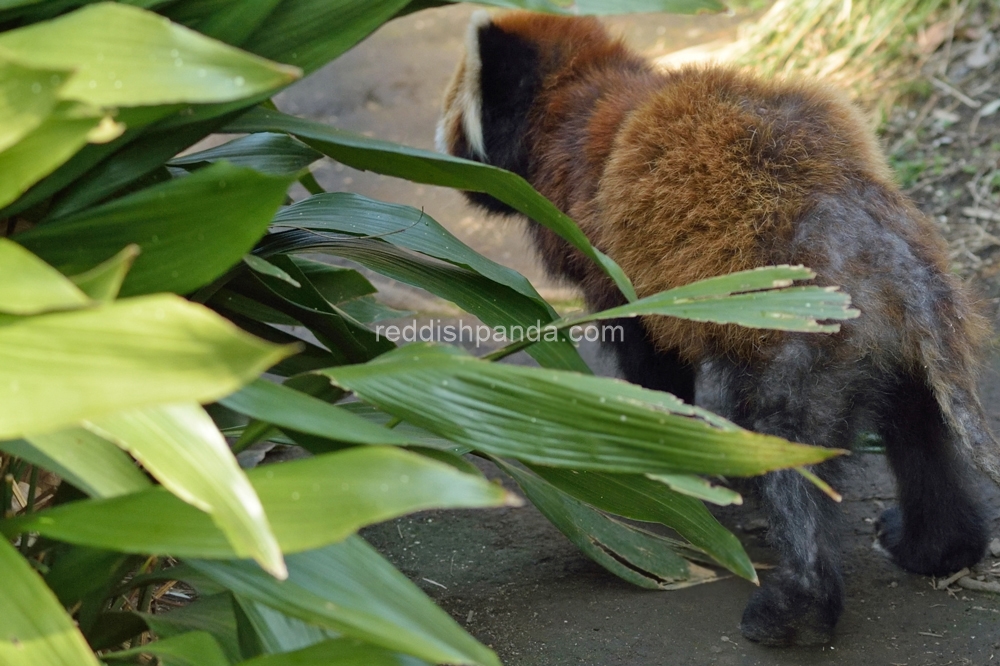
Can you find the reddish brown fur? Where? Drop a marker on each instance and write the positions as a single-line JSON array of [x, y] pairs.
[[655, 192]]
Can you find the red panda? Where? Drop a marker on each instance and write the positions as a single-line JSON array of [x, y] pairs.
[[706, 170]]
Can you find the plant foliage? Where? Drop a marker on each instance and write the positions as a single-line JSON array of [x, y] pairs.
[[144, 295]]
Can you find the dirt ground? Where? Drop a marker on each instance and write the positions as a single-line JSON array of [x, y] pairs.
[[511, 578]]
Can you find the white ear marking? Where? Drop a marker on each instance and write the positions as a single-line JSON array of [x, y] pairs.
[[470, 96]]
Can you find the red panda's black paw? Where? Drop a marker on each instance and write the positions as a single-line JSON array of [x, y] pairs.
[[779, 615], [946, 543]]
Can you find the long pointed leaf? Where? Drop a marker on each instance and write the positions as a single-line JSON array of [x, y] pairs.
[[636, 497], [639, 557], [88, 461], [351, 589], [190, 230], [34, 628], [28, 285], [577, 7], [311, 503], [494, 304], [555, 418], [125, 56], [286, 407], [57, 369], [758, 298], [181, 446], [423, 166], [337, 652]]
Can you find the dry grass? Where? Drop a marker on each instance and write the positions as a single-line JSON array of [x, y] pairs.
[[870, 47]]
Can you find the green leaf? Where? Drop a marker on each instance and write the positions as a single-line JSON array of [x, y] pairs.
[[697, 487], [191, 229], [494, 304], [367, 310], [265, 152], [757, 298], [265, 267], [333, 327], [639, 557], [195, 648], [58, 369], [636, 497], [275, 632], [97, 172], [562, 419], [579, 7], [104, 281], [47, 146], [181, 446], [310, 503], [28, 285], [125, 56], [88, 461], [235, 21], [27, 96], [351, 589], [288, 408], [264, 630], [402, 226], [211, 613], [337, 652], [336, 284], [310, 33], [34, 628], [423, 166]]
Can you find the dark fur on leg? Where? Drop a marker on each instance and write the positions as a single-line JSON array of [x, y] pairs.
[[939, 525], [643, 364], [800, 603]]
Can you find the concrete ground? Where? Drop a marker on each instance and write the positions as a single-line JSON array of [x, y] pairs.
[[507, 575]]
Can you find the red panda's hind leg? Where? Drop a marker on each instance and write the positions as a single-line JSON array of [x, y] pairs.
[[939, 525], [804, 394]]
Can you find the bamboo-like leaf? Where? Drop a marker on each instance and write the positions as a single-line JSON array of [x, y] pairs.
[[636, 497], [39, 152], [337, 652], [194, 648], [337, 285], [104, 281], [27, 96], [310, 503], [88, 461], [423, 166], [555, 418], [265, 267], [310, 33], [191, 230], [58, 369], [496, 305], [181, 446], [579, 7], [97, 172], [758, 298], [273, 631], [264, 152], [403, 226], [699, 488], [212, 613], [34, 628], [125, 56], [351, 589], [288, 408], [641, 558], [28, 285]]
